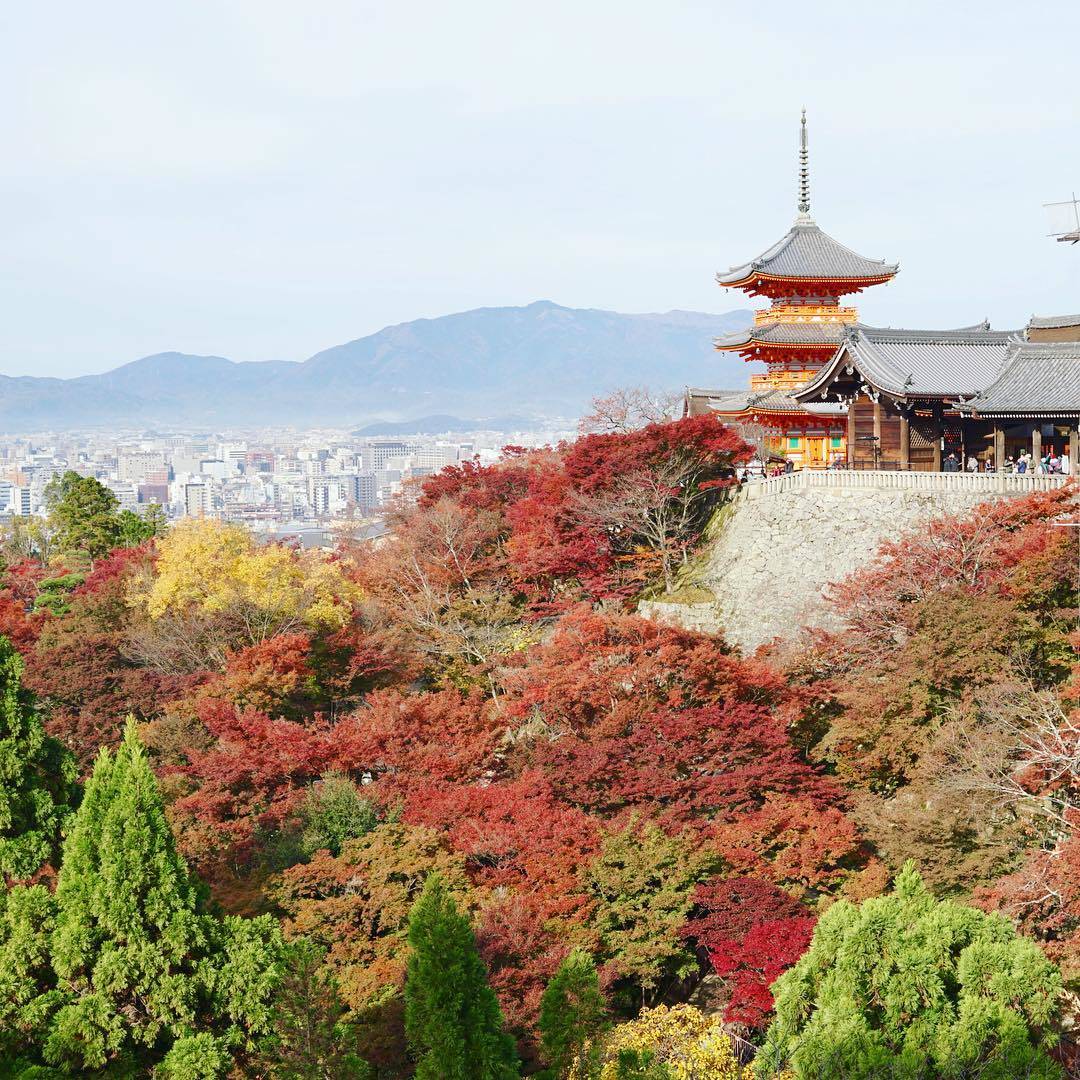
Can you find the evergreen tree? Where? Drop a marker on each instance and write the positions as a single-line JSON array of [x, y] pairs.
[[127, 932], [572, 1015], [133, 529], [138, 970], [904, 986], [83, 514], [313, 1038], [452, 1017], [36, 777]]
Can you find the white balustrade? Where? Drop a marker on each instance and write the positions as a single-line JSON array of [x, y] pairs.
[[884, 480]]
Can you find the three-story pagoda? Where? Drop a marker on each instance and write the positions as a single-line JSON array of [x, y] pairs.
[[804, 276]]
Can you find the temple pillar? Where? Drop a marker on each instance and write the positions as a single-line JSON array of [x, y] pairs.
[[1074, 449], [1036, 443], [999, 447], [850, 450], [905, 442], [937, 437], [877, 434]]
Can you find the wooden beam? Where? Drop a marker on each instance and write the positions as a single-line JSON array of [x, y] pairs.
[[905, 442], [1074, 449], [999, 447], [937, 436], [1036, 445], [851, 434]]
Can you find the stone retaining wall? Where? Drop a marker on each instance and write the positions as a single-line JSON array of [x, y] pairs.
[[772, 556]]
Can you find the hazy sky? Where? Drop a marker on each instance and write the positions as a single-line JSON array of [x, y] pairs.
[[262, 179]]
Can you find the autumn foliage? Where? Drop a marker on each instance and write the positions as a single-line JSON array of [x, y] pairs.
[[475, 697]]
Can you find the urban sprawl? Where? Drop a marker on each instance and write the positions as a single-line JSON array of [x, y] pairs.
[[279, 483]]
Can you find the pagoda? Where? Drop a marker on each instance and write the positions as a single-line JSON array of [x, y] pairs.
[[804, 276]]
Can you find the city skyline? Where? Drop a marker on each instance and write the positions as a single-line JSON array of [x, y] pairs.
[[261, 182]]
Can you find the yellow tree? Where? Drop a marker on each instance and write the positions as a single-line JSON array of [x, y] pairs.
[[215, 588], [683, 1041]]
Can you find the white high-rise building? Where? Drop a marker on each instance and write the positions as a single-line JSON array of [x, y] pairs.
[[197, 500]]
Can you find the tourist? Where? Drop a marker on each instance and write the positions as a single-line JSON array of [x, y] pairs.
[[1054, 462], [1022, 462], [952, 464], [1009, 465], [789, 465], [972, 463]]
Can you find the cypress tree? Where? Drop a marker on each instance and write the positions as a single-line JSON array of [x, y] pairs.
[[905, 985], [452, 1017], [36, 777], [127, 935], [572, 1015]]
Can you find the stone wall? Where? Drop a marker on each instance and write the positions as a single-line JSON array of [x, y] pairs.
[[770, 558]]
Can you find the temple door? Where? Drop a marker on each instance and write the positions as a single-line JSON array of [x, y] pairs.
[[816, 453]]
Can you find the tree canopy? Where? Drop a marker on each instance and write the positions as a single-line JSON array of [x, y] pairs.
[[905, 985]]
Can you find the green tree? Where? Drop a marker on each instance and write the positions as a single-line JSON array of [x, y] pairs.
[[452, 1017], [907, 987], [135, 528], [572, 1015], [642, 883], [138, 970], [313, 1038], [334, 811], [83, 514], [37, 777], [27, 916], [53, 593], [640, 1065]]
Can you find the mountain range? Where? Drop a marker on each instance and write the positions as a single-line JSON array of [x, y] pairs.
[[540, 360]]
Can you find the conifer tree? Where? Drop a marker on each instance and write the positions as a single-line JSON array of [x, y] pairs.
[[572, 1015], [36, 777], [452, 1017], [905, 985], [138, 970], [83, 513], [127, 931]]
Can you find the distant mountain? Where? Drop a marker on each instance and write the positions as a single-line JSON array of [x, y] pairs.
[[537, 361], [443, 425]]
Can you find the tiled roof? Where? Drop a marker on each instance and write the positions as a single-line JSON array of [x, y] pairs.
[[1038, 379], [918, 363], [784, 333], [808, 252], [1052, 322], [775, 401]]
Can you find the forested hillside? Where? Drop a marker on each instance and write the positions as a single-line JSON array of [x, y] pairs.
[[535, 362], [445, 807]]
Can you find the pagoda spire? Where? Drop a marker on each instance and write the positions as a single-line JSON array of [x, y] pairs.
[[804, 174]]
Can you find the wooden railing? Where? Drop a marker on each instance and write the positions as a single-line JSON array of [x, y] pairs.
[[885, 480]]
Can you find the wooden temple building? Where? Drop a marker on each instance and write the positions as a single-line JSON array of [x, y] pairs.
[[838, 393]]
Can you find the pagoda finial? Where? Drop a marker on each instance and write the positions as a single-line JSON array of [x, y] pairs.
[[804, 173]]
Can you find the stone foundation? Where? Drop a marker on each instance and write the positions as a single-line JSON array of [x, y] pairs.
[[775, 549]]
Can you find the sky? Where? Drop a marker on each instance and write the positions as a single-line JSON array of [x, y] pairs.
[[261, 179]]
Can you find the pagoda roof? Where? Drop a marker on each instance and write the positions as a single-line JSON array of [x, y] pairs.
[[808, 253], [1037, 379], [770, 401], [825, 334], [916, 363]]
